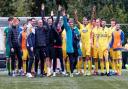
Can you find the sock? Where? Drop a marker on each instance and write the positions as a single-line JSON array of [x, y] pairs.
[[116, 67], [113, 65], [68, 66], [107, 67], [45, 68], [89, 66], [48, 70], [24, 66], [120, 67], [96, 66], [102, 66], [8, 65], [85, 67], [33, 70], [110, 63], [79, 65]]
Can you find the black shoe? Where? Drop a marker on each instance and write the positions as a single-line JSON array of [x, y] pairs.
[[42, 75], [35, 75], [108, 74], [102, 74], [9, 74]]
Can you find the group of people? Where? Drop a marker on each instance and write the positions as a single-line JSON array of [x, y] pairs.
[[75, 44]]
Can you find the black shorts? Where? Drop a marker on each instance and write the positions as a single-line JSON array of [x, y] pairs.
[[49, 52]]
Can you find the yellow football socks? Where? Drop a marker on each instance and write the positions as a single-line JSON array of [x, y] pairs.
[[24, 66], [107, 67]]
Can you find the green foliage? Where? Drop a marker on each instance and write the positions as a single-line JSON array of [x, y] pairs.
[[104, 8]]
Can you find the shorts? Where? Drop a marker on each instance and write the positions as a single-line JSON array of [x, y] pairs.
[[49, 52], [7, 51], [95, 52], [103, 53], [117, 55], [24, 54], [111, 53], [86, 51]]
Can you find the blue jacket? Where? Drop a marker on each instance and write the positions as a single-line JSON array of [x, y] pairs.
[[69, 35], [31, 40]]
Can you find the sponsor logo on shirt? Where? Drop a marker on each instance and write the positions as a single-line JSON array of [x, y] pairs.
[[84, 30]]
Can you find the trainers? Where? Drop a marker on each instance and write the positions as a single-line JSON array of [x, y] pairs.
[[126, 65], [95, 73], [21, 72], [54, 74], [29, 75], [88, 74], [13, 74], [85, 73], [9, 73], [113, 73], [64, 73], [108, 74], [71, 74], [49, 74], [78, 73], [102, 74]]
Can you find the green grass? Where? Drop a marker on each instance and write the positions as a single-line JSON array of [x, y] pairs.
[[78, 82]]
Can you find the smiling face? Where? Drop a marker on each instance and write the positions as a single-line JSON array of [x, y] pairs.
[[24, 27], [40, 23], [15, 21], [117, 27], [113, 23], [50, 22], [93, 22], [85, 21], [33, 22], [98, 22], [71, 24], [103, 23]]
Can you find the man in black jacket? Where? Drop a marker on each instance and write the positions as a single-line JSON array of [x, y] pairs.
[[40, 45], [15, 46]]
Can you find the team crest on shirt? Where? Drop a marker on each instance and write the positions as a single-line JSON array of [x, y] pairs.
[[84, 30]]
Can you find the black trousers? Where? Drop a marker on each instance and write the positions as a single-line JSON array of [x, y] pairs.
[[73, 60], [16, 53], [40, 53], [57, 53], [31, 59]]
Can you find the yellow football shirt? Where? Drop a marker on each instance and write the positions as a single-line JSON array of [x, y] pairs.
[[95, 32], [85, 32], [104, 38]]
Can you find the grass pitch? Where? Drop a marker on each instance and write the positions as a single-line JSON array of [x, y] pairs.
[[77, 82]]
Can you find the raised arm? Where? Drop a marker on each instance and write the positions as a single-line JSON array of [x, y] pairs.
[[58, 15], [65, 23], [75, 16], [76, 19], [43, 14]]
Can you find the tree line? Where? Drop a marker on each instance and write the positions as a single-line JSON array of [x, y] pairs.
[[106, 9]]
